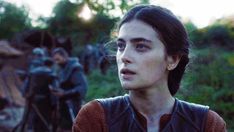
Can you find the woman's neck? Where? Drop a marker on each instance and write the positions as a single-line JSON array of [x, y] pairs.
[[152, 103]]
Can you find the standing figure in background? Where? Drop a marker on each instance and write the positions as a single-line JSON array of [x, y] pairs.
[[38, 109], [35, 61], [88, 58], [72, 87], [41, 78], [103, 60]]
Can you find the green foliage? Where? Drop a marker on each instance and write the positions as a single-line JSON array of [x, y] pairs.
[[12, 20], [220, 33], [190, 27], [209, 81], [104, 7], [62, 23], [101, 86], [101, 7], [66, 22]]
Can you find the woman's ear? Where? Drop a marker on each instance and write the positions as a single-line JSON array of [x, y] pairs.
[[172, 62]]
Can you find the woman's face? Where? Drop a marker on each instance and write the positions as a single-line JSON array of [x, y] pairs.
[[141, 57]]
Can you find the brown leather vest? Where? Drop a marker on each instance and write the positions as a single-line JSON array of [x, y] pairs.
[[186, 117]]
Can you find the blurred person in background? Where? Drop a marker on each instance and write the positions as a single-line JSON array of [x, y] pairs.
[[40, 80], [38, 108], [72, 87]]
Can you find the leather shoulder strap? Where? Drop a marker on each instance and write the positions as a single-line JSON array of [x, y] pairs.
[[114, 107], [120, 116], [197, 113], [188, 116]]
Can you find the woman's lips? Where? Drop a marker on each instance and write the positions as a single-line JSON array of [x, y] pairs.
[[126, 73]]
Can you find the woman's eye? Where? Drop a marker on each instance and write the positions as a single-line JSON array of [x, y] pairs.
[[141, 47], [120, 46]]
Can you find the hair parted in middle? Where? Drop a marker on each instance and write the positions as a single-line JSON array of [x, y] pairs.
[[171, 32]]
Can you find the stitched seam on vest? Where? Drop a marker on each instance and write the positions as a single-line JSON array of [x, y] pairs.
[[173, 115], [172, 128], [105, 102], [203, 110], [204, 120], [187, 119], [120, 115], [113, 121], [126, 99], [177, 114], [101, 101]]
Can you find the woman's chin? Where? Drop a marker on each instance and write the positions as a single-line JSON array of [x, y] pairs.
[[129, 86]]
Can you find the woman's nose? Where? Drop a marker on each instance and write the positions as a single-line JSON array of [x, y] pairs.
[[126, 56], [125, 60]]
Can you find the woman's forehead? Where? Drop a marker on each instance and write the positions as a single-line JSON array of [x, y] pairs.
[[137, 29]]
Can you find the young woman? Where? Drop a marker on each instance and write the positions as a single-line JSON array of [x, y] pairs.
[[152, 54]]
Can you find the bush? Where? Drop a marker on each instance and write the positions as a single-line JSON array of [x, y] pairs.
[[209, 81], [101, 86]]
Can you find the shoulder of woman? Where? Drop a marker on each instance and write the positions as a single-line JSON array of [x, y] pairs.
[[215, 123], [91, 117]]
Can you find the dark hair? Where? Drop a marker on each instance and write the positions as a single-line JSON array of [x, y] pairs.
[[60, 51], [171, 32]]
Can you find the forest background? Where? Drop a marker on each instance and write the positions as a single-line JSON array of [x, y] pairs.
[[208, 79]]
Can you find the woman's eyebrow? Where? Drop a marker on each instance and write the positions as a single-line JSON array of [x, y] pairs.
[[140, 40], [134, 40]]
